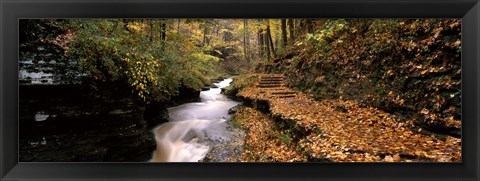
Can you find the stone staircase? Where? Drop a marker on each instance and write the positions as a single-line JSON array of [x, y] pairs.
[[274, 86]]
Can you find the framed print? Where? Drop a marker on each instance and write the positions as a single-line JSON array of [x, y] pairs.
[[239, 90]]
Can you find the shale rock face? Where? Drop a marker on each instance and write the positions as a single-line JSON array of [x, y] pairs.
[[46, 67], [68, 128], [62, 120], [155, 114]]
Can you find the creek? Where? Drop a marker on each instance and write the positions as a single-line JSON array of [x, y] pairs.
[[197, 128]]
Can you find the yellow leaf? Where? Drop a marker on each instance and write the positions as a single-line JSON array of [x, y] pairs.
[[390, 93], [423, 72]]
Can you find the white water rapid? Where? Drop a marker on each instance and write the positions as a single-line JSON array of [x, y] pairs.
[[193, 127]]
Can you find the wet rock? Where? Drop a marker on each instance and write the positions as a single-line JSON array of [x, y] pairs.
[[41, 116], [155, 114], [206, 88], [233, 110], [227, 150], [76, 130], [185, 95], [119, 111]]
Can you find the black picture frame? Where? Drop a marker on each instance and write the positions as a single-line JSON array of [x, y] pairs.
[[12, 10]]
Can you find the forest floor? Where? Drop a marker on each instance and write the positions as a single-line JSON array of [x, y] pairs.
[[290, 126]]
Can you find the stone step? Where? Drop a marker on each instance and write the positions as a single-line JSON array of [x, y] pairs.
[[282, 96], [276, 77], [267, 83], [272, 75], [282, 93], [269, 86], [270, 81], [274, 89], [279, 89], [271, 78]]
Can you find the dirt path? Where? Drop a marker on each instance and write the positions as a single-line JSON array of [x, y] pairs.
[[342, 130]]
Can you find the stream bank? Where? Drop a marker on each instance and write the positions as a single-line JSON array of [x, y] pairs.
[[227, 150]]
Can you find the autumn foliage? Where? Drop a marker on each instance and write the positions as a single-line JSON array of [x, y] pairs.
[[327, 90], [300, 128], [405, 66]]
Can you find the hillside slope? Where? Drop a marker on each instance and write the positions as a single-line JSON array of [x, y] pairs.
[[411, 68]]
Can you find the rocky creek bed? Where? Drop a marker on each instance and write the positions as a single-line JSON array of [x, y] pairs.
[[228, 150]]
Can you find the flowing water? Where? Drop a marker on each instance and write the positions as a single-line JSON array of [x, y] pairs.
[[193, 128]]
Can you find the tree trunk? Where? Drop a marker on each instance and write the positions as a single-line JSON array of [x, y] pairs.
[[178, 25], [205, 31], [291, 31], [261, 41], [245, 43], [163, 34], [309, 24], [125, 25], [284, 32], [270, 41], [151, 30], [267, 47]]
